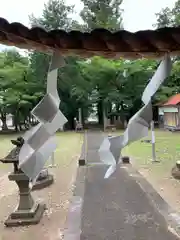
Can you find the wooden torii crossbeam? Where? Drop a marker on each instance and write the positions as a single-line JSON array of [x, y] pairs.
[[147, 43]]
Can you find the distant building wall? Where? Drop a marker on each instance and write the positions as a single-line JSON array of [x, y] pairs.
[[9, 121], [170, 116]]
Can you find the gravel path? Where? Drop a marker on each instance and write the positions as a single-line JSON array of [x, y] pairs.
[[117, 208]]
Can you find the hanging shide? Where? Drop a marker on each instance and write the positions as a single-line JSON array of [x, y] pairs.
[[138, 125], [39, 142]]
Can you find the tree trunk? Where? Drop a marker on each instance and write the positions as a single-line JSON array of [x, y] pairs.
[[123, 118], [4, 123], [16, 125], [100, 112], [16, 121], [70, 125]]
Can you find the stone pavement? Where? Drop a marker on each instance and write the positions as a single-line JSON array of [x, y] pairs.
[[115, 208]]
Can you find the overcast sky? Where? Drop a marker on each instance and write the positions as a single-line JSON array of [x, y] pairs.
[[138, 14]]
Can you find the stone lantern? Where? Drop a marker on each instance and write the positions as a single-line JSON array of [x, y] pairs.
[[28, 211]]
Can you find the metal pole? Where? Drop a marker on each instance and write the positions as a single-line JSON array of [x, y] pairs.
[[153, 142], [52, 161], [104, 117]]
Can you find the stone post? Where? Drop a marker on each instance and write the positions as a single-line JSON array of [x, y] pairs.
[[80, 115]]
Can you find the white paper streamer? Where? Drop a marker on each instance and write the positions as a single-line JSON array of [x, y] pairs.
[[39, 142], [137, 128]]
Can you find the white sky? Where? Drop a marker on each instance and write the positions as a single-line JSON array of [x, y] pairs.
[[138, 14]]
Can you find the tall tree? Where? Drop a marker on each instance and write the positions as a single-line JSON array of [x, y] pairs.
[[164, 18], [18, 93], [56, 16], [102, 14], [169, 17]]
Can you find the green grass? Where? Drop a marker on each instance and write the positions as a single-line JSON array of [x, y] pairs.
[[167, 152], [69, 145]]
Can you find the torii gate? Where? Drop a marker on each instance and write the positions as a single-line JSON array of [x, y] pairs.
[[148, 43]]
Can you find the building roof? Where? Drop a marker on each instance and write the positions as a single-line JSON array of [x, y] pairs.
[[159, 104], [147, 43], [174, 100]]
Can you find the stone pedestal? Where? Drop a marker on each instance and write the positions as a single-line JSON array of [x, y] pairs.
[[125, 159], [28, 211], [176, 170], [82, 159], [52, 165], [44, 180], [82, 162]]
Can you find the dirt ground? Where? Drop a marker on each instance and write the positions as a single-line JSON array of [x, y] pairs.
[[159, 173], [167, 187], [56, 197]]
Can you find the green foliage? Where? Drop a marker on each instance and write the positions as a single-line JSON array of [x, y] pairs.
[[17, 90], [70, 85], [164, 18], [74, 85], [55, 15], [116, 84], [102, 14], [169, 17]]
